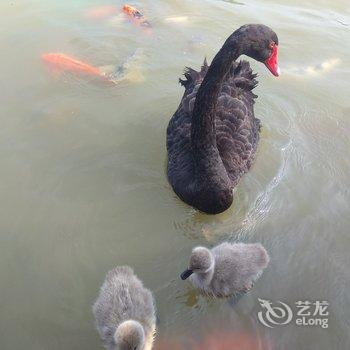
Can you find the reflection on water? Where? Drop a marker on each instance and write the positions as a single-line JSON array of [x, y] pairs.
[[229, 340], [83, 171]]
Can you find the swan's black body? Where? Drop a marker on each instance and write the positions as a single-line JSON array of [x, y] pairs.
[[212, 137]]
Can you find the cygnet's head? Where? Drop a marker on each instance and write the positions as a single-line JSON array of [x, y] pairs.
[[201, 261], [130, 335]]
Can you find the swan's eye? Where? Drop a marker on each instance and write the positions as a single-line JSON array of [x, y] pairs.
[[272, 44]]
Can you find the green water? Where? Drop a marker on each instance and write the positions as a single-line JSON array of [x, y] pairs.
[[83, 182]]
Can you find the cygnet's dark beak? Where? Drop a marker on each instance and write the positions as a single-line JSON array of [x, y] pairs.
[[187, 273]]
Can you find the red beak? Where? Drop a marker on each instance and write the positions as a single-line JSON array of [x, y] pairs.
[[271, 62]]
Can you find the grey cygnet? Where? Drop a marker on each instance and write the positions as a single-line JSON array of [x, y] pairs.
[[125, 312], [226, 269]]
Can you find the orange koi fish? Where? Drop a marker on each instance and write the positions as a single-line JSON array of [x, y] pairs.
[[67, 63], [101, 12], [137, 17]]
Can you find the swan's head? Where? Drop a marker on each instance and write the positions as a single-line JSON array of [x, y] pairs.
[[261, 43], [130, 335], [201, 261]]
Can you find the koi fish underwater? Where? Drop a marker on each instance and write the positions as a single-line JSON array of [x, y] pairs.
[[315, 70], [176, 19], [128, 71], [63, 62], [137, 18], [101, 12]]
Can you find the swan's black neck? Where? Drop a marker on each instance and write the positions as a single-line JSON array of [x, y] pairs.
[[203, 118]]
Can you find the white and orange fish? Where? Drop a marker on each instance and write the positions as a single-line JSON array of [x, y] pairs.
[[137, 18]]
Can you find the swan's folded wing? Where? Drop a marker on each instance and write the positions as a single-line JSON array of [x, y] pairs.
[[237, 130]]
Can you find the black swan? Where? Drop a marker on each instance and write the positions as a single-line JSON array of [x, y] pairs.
[[212, 137]]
